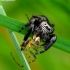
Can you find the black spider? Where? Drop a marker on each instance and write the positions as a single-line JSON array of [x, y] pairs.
[[42, 27]]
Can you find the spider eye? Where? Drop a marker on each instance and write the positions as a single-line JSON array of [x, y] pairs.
[[49, 29]]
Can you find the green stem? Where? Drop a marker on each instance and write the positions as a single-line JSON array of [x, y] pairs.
[[4, 22]]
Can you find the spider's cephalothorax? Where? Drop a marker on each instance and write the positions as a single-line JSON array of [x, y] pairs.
[[40, 26]]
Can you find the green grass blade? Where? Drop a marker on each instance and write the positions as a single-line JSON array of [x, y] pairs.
[[62, 44], [15, 41], [11, 23], [15, 25]]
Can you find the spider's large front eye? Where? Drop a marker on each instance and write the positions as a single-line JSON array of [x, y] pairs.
[[47, 28]]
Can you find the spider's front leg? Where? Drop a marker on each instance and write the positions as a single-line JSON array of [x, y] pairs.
[[22, 28], [49, 43], [26, 37]]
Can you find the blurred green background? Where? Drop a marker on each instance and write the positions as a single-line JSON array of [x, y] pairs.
[[58, 12]]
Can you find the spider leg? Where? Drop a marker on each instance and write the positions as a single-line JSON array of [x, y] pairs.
[[16, 61], [21, 28], [27, 34], [27, 24], [32, 54], [49, 44], [26, 37]]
